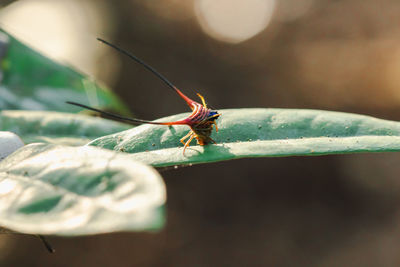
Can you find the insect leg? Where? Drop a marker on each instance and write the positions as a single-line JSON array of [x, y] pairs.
[[188, 142], [216, 126], [185, 137]]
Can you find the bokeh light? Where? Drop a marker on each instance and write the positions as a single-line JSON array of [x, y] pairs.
[[63, 30], [234, 21]]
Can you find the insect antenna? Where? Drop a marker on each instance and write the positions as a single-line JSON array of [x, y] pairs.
[[141, 62], [111, 115]]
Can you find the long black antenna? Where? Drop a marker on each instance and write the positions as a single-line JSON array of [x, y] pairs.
[[112, 115], [141, 62]]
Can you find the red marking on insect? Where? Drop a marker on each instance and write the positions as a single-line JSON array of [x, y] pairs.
[[201, 121]]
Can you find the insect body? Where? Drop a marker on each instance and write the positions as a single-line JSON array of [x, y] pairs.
[[201, 121]]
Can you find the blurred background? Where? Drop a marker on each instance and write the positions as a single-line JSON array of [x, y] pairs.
[[300, 211]]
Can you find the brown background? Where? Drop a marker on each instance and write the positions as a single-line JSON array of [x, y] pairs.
[[337, 210]]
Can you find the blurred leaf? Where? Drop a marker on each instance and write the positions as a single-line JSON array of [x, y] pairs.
[[32, 81], [57, 127], [60, 190], [9, 142], [260, 133]]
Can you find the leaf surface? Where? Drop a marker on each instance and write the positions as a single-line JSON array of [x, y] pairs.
[[61, 190], [9, 142], [260, 133], [57, 127], [32, 81]]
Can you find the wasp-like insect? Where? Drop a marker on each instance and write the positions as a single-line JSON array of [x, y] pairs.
[[201, 121]]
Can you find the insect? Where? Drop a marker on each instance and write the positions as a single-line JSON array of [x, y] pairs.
[[201, 121]]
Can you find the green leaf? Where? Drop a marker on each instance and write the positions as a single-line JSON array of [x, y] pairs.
[[9, 142], [260, 133], [60, 190], [34, 82], [57, 127]]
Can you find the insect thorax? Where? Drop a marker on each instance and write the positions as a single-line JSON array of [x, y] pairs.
[[203, 132]]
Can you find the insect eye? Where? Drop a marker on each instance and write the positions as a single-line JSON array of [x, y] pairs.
[[213, 113]]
